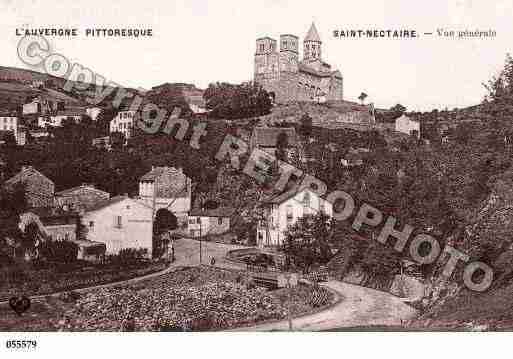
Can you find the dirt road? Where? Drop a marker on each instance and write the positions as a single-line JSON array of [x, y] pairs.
[[359, 307]]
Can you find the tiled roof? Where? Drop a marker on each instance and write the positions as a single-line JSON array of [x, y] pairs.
[[54, 216], [217, 212], [282, 197], [158, 171], [74, 189], [106, 203], [25, 171], [268, 136]]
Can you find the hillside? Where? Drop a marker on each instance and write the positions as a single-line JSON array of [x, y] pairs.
[[17, 84], [335, 115]]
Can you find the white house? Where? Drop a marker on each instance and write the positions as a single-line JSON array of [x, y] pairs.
[[209, 221], [408, 126], [124, 123], [283, 210], [93, 112], [55, 120], [9, 122], [120, 222], [173, 190]]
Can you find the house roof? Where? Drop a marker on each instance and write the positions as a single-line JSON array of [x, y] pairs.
[[286, 195], [54, 216], [70, 112], [25, 170], [158, 171], [81, 187], [6, 113], [312, 34], [268, 136], [217, 212], [106, 203]]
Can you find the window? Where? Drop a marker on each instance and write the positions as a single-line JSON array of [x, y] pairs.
[[118, 221], [306, 199], [262, 47], [91, 224], [198, 220], [284, 44], [290, 216], [220, 221]]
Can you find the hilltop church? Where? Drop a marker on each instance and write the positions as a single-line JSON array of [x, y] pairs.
[[288, 79]]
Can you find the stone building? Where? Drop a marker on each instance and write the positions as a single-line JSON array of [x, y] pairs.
[[172, 190], [39, 190], [287, 78], [80, 198]]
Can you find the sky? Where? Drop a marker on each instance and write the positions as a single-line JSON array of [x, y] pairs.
[[198, 41]]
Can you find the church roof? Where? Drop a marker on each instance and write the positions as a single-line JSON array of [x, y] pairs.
[[310, 70], [312, 34]]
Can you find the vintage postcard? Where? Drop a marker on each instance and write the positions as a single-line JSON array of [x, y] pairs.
[[273, 166]]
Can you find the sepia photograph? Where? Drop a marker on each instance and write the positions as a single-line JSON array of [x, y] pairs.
[[232, 168]]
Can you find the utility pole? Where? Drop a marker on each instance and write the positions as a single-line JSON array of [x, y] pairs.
[[289, 299], [200, 235]]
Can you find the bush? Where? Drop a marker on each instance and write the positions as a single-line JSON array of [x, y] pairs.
[[129, 256], [61, 251]]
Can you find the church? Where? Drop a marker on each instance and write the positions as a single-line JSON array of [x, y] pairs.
[[288, 79]]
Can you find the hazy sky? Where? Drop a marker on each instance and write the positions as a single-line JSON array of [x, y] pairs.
[[201, 41]]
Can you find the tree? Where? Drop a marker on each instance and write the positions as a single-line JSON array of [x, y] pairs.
[[308, 241], [8, 139], [165, 221], [230, 101], [104, 118], [397, 110], [282, 143], [12, 204], [362, 97], [306, 124], [501, 86]]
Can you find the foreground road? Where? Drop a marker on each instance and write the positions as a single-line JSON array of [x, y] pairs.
[[359, 307]]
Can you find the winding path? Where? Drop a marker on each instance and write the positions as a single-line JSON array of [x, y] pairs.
[[359, 306]]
